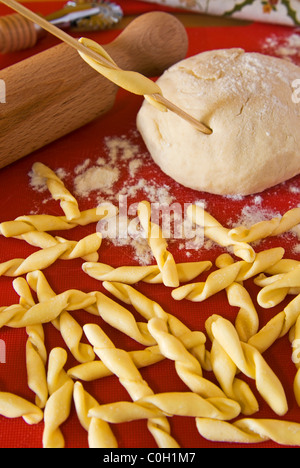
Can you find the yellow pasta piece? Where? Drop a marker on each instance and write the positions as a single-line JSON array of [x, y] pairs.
[[36, 357], [129, 80], [171, 404], [277, 327], [247, 321], [45, 223], [58, 405], [194, 341], [283, 266], [215, 231], [13, 406], [225, 372], [261, 230], [124, 411], [295, 341], [88, 245], [216, 282], [250, 361], [95, 303], [263, 280], [69, 328], [250, 431], [223, 277], [58, 190], [158, 244], [66, 250], [148, 274], [187, 366], [96, 369], [17, 316], [121, 364], [123, 320], [100, 434], [72, 333], [274, 293]]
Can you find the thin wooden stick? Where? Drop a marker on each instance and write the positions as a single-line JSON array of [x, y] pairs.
[[75, 44]]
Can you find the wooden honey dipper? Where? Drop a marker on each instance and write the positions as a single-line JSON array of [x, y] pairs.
[[55, 92]]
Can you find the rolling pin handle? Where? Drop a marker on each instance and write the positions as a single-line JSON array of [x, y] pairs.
[[17, 33]]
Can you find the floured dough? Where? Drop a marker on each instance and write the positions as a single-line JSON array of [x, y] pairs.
[[246, 99]]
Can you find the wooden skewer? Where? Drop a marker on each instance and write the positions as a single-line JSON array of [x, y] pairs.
[[75, 44]]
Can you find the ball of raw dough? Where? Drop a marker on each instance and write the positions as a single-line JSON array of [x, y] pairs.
[[246, 99]]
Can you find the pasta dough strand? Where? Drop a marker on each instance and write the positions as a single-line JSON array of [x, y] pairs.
[[225, 371], [250, 361], [129, 80], [158, 245], [250, 431], [270, 228], [121, 364], [96, 369], [100, 434], [187, 366], [171, 404], [14, 406], [223, 277], [58, 190], [219, 234], [58, 405], [193, 341], [274, 293], [69, 328], [42, 259], [148, 274], [44, 223]]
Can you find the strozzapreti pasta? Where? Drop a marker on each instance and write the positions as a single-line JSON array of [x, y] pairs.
[[226, 351]]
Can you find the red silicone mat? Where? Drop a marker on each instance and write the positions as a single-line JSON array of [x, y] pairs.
[[17, 198]]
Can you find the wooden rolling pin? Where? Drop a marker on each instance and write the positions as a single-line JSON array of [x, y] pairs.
[[55, 92]]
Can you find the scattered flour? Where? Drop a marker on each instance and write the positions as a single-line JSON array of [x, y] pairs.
[[95, 178], [103, 180], [287, 47]]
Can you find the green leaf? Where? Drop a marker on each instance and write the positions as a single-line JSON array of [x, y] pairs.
[[291, 13], [238, 7]]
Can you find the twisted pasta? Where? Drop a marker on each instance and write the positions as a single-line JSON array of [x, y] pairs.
[[295, 341], [58, 405], [250, 431], [171, 404], [42, 259], [121, 364], [17, 316], [225, 372], [158, 244], [129, 80], [187, 366], [219, 234], [45, 223], [274, 293], [100, 434], [123, 320], [58, 190], [277, 326], [13, 406], [261, 230], [225, 276], [193, 341], [43, 240], [69, 328], [36, 357], [148, 274], [250, 361], [96, 369], [247, 321]]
